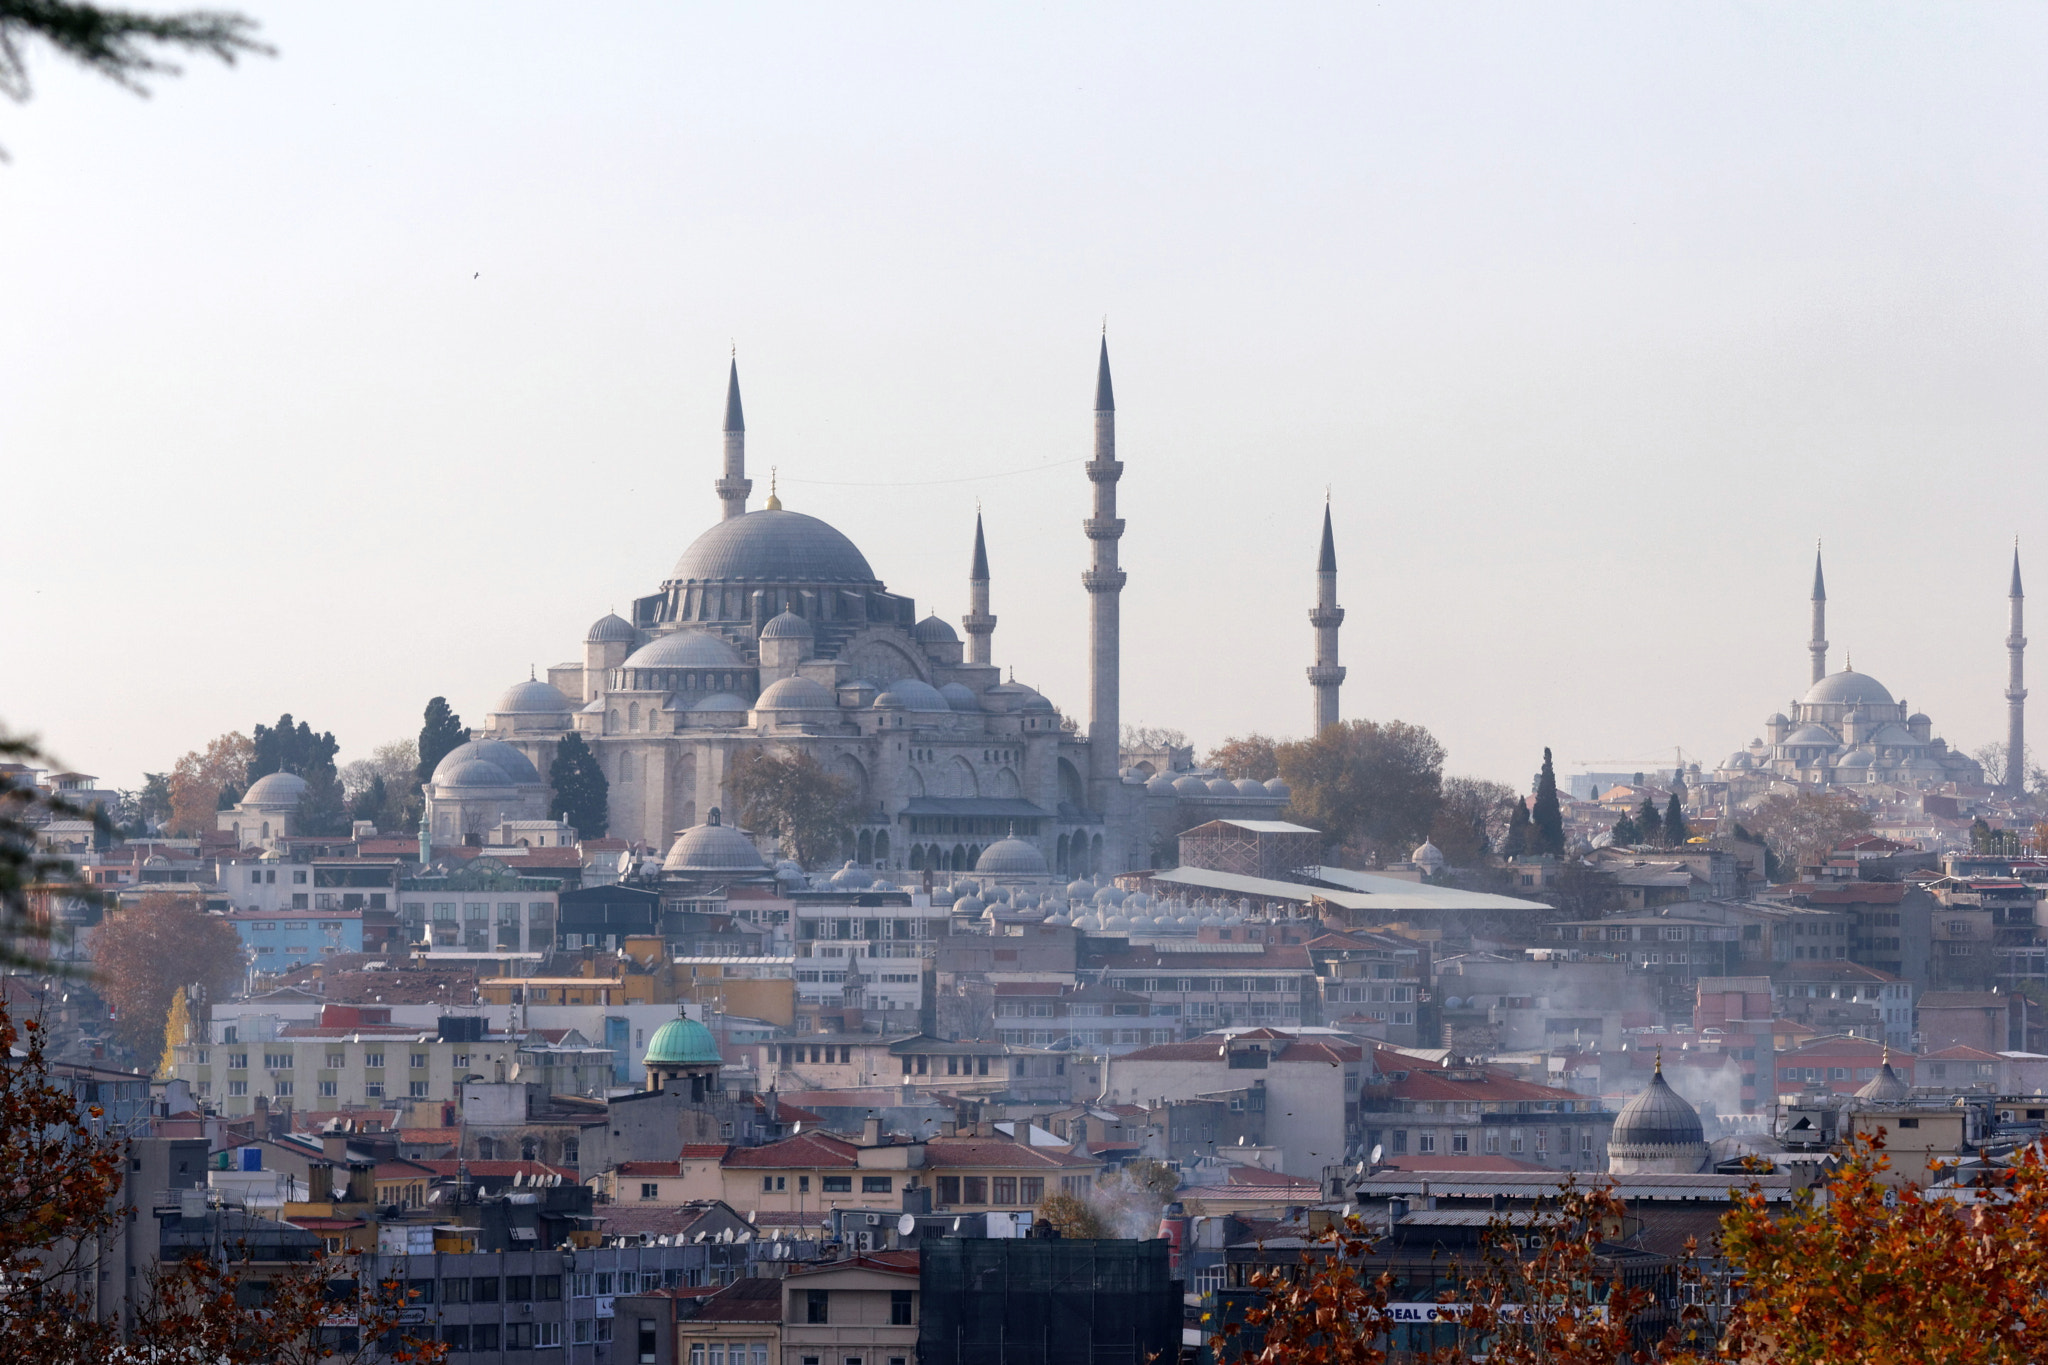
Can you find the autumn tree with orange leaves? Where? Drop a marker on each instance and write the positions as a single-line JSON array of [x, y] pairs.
[[141, 955]]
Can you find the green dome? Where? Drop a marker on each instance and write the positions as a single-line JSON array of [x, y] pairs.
[[682, 1042]]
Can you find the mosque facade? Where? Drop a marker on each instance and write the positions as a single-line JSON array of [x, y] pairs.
[[1848, 730], [774, 632]]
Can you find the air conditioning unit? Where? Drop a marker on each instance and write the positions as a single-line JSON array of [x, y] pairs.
[[874, 1220]]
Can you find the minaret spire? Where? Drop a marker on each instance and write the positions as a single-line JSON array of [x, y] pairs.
[[980, 625], [2016, 686], [734, 487], [1105, 584], [1325, 676], [1818, 647]]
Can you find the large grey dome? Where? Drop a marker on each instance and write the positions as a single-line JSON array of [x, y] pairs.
[[713, 848], [796, 694], [933, 631], [1848, 688], [1010, 858], [913, 695], [275, 789], [511, 765], [1659, 1117], [773, 547], [531, 698], [686, 649], [960, 697]]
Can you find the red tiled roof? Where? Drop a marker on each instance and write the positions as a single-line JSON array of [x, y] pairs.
[[703, 1151], [399, 1168], [755, 1299], [430, 1136], [1854, 893], [1963, 1052], [891, 1262], [996, 1154], [806, 1151], [1259, 1175], [652, 1167]]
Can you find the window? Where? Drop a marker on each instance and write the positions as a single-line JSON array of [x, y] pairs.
[[484, 1336], [899, 1308], [419, 1061], [373, 1090], [455, 1291], [1005, 1189], [418, 1090], [1031, 1189], [373, 1060], [547, 1288], [650, 1190], [284, 1090], [518, 1336], [547, 1334], [455, 1336], [877, 1184], [604, 1283], [238, 1087], [836, 1184], [581, 1285], [974, 1189], [818, 1305], [484, 1289], [419, 1291], [336, 1060], [238, 1061], [803, 1184], [949, 1189]]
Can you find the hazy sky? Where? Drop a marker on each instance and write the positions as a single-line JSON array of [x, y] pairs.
[[1591, 317]]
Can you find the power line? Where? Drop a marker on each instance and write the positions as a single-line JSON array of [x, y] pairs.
[[926, 483]]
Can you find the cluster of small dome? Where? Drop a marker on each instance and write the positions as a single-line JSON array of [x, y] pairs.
[[1191, 784]]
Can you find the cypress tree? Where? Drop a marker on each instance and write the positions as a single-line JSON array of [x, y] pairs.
[[1675, 829], [1548, 819], [323, 810], [442, 733], [289, 748], [1625, 831], [581, 795], [1649, 824], [1517, 842]]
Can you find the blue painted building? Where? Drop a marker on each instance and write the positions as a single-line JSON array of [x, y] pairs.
[[280, 939]]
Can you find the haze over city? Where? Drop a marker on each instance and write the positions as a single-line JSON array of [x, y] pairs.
[[378, 370]]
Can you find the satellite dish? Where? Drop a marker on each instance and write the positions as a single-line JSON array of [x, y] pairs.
[[906, 1225], [1376, 1150]]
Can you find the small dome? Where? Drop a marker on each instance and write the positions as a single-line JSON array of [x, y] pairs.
[[275, 789], [1222, 786], [1160, 783], [960, 697], [796, 694], [513, 768], [721, 701], [969, 905], [1036, 704], [1855, 758], [788, 626], [1887, 1086], [1275, 787], [1777, 718], [1010, 858], [1058, 920], [933, 631], [1919, 718], [1116, 924], [853, 875], [913, 695], [1892, 735], [611, 629], [532, 698], [685, 649], [1191, 786], [682, 1042], [1848, 688], [1659, 1117], [1813, 734], [1247, 786], [790, 870], [1740, 759], [712, 847], [474, 772], [1428, 856], [1080, 890]]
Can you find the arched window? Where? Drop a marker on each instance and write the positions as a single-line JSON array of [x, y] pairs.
[[1095, 853], [633, 715], [864, 849], [960, 857], [882, 847], [611, 721], [1059, 863]]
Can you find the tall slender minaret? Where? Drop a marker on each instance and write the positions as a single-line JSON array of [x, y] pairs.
[[1325, 676], [980, 625], [2015, 688], [1819, 645], [1105, 582], [734, 487]]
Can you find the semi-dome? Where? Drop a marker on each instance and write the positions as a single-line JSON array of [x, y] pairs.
[[933, 631], [532, 698], [913, 694], [1892, 735], [721, 701], [1812, 734], [611, 629], [1010, 857], [788, 626], [713, 847], [1855, 758], [275, 789], [1659, 1117], [686, 649], [796, 694], [1848, 688], [773, 546], [513, 767], [682, 1042]]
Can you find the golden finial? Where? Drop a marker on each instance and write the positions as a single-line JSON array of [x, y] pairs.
[[1658, 1070], [774, 502]]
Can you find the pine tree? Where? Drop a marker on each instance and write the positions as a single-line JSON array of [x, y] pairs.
[[1547, 817], [442, 733], [1649, 824], [1519, 836], [1675, 829], [581, 796], [1625, 832]]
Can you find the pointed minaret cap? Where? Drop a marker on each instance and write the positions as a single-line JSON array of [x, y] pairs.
[[2016, 571], [733, 419], [1820, 588], [1105, 400], [979, 574], [1326, 562]]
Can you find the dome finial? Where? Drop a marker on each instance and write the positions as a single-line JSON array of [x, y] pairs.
[[1658, 1070], [774, 502]]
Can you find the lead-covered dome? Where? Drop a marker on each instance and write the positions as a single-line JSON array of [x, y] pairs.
[[1010, 857], [933, 631], [532, 698], [611, 629], [772, 546], [713, 847], [796, 694], [960, 697], [485, 763], [1848, 688], [685, 649], [275, 789], [788, 626], [913, 694], [1887, 1086], [1659, 1117]]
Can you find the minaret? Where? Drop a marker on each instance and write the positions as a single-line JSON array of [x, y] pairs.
[[1104, 581], [2015, 688], [1325, 676], [1819, 646], [980, 625], [734, 487]]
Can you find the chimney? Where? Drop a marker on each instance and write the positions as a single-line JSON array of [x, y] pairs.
[[871, 1132], [949, 1129], [334, 1145], [1021, 1131]]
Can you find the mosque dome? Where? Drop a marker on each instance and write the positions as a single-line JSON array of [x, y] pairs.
[[1887, 1086], [1222, 786], [960, 697], [788, 626], [969, 905], [611, 629], [532, 698], [913, 695], [853, 875], [513, 769], [1010, 857], [1740, 759], [1160, 783], [1919, 718], [1855, 758], [1249, 787], [1428, 857], [773, 546], [1847, 688], [1080, 890], [1191, 786], [1813, 734], [933, 631], [1036, 703], [685, 649], [682, 1042], [1275, 787], [796, 694], [712, 847], [275, 789], [1659, 1117], [1892, 735], [1058, 919]]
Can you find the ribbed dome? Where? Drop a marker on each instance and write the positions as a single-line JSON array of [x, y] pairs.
[[773, 547], [611, 629], [532, 698], [1847, 687], [275, 789], [795, 694], [512, 766], [682, 1042], [1659, 1117], [1010, 858], [933, 631], [686, 649], [1428, 856], [788, 626], [1886, 1087], [712, 848]]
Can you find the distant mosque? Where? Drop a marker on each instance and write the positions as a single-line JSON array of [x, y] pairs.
[[773, 633], [1848, 731]]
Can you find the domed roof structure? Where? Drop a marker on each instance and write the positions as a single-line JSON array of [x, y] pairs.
[[1161, 782], [913, 695], [1222, 786], [513, 769], [471, 772], [788, 626], [721, 701], [611, 629], [933, 631], [275, 789], [1191, 786], [960, 697], [1011, 857], [1276, 787], [1250, 786], [773, 546], [685, 649], [532, 698], [1847, 688], [1657, 1132], [795, 694], [712, 847], [1812, 734], [682, 1042], [1428, 857], [1887, 1086]]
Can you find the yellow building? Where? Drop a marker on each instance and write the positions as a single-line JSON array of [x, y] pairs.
[[814, 1172], [863, 1309], [995, 1172]]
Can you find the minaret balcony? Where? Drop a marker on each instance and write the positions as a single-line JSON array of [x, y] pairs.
[[1325, 675], [1105, 471], [1326, 618], [729, 489], [1103, 528], [1103, 580]]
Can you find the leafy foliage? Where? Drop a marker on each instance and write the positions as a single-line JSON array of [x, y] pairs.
[[1676, 831], [1625, 832], [1070, 1216], [201, 778], [143, 954], [1154, 737], [1649, 824], [116, 42], [1367, 784], [1255, 756], [1472, 820], [285, 748], [384, 788], [1800, 827], [442, 733], [1520, 838], [324, 808], [580, 794], [30, 878], [792, 798]]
